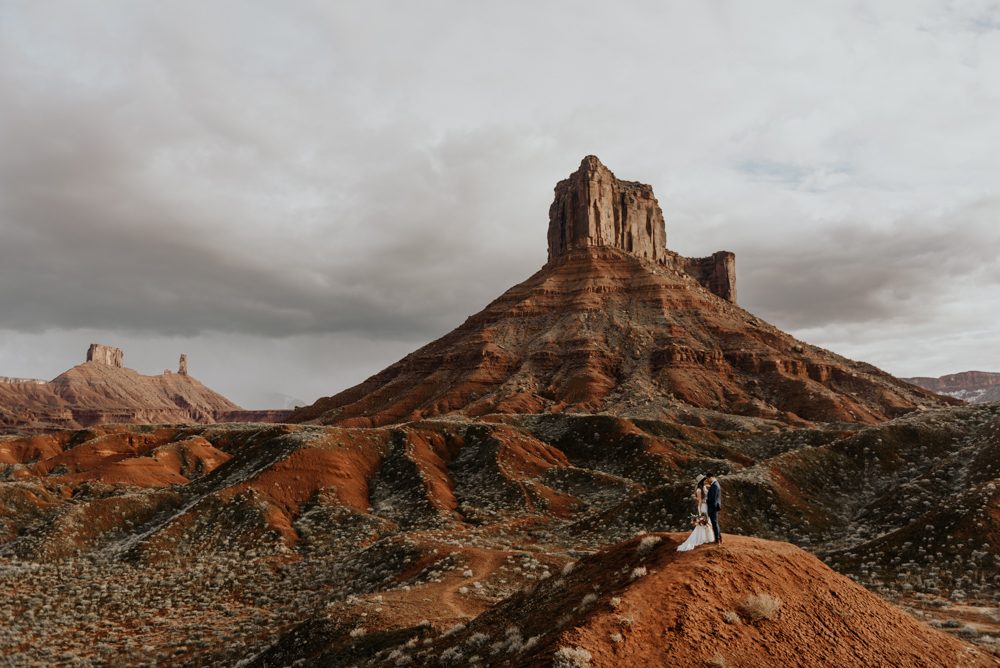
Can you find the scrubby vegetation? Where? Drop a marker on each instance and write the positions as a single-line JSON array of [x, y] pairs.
[[301, 523]]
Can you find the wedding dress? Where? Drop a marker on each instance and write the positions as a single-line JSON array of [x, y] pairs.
[[700, 535]]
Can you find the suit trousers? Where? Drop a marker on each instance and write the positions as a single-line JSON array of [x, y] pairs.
[[713, 516]]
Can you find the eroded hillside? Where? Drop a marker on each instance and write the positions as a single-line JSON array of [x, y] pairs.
[[205, 545]]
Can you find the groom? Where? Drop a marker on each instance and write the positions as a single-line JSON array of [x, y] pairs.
[[714, 501]]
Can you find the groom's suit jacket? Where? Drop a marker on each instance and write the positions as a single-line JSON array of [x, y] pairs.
[[714, 500]]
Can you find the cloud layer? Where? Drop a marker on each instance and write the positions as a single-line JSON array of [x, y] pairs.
[[300, 178]]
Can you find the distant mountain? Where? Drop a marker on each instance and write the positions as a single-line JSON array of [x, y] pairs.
[[971, 386], [103, 391], [617, 323]]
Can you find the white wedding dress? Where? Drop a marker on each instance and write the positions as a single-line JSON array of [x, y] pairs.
[[700, 535]]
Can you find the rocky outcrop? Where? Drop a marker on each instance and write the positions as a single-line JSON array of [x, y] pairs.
[[183, 366], [112, 357], [716, 272], [594, 208], [34, 381]]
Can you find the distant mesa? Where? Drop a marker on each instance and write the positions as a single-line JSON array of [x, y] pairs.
[[34, 381], [972, 386], [616, 323], [104, 391]]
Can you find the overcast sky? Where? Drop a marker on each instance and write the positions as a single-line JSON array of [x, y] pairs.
[[298, 194]]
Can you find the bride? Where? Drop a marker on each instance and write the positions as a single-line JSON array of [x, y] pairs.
[[702, 529]]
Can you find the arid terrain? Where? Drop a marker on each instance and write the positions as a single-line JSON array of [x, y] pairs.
[[208, 545], [513, 494]]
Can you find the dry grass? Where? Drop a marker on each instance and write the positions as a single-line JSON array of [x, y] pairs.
[[718, 661], [647, 544], [569, 657], [758, 607]]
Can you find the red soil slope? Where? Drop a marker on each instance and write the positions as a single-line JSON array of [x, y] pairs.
[[630, 605]]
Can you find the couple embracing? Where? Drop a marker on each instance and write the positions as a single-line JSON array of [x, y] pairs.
[[708, 492]]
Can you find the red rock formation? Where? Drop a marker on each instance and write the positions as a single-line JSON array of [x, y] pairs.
[[605, 329], [593, 208]]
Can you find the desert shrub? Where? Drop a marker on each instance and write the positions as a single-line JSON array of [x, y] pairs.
[[568, 568], [718, 661], [952, 624], [758, 607], [969, 631], [638, 572], [451, 655], [588, 599], [477, 639], [647, 544], [614, 603], [731, 617], [569, 657], [617, 637], [457, 628], [627, 621]]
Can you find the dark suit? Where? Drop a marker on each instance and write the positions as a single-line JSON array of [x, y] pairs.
[[714, 502]]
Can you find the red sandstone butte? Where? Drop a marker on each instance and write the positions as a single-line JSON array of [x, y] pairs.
[[617, 323]]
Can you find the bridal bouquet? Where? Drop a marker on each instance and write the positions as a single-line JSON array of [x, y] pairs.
[[699, 520]]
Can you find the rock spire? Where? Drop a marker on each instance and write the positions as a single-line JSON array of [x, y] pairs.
[[594, 208], [106, 355]]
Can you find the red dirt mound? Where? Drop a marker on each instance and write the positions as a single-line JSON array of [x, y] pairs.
[[641, 603]]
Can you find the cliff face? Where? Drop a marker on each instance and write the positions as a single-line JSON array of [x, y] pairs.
[[594, 208], [113, 357]]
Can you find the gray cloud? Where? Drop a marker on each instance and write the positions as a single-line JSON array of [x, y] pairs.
[[321, 175], [849, 273]]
